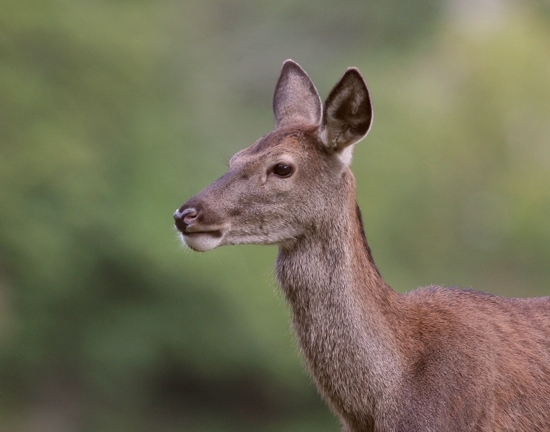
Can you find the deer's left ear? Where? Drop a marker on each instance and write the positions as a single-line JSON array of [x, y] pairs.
[[347, 116]]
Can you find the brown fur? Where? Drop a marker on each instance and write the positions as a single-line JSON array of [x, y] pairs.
[[435, 359]]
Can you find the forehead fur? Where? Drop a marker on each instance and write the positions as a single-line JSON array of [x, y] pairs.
[[293, 137], [300, 142]]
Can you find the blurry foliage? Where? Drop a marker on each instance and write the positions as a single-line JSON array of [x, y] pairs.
[[470, 159], [112, 114]]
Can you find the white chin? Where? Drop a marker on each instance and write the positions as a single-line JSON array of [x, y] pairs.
[[202, 242]]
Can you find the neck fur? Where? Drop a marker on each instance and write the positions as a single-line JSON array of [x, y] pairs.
[[342, 312]]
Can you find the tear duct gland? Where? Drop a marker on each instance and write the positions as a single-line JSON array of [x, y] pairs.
[[434, 359]]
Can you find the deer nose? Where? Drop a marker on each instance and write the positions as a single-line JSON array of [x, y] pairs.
[[185, 217]]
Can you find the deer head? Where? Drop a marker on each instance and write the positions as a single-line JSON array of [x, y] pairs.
[[290, 182]]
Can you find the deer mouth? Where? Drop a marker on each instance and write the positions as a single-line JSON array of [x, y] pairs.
[[203, 240], [213, 233]]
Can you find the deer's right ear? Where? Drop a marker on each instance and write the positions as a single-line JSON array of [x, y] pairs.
[[296, 99]]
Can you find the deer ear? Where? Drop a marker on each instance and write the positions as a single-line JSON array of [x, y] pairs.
[[347, 116], [296, 99]]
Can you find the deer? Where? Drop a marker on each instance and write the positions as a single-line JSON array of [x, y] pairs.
[[431, 359]]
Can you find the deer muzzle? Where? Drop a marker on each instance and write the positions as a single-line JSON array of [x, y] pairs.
[[195, 233]]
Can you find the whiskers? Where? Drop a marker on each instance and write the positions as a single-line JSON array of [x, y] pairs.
[[181, 242]]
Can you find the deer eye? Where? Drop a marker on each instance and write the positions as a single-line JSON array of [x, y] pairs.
[[282, 170]]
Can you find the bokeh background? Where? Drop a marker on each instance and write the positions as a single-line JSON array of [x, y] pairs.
[[113, 113]]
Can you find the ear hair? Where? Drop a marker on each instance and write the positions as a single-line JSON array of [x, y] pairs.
[[347, 116]]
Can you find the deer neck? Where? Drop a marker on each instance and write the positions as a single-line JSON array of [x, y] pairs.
[[342, 310]]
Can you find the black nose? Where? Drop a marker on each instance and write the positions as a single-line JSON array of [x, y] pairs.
[[185, 217]]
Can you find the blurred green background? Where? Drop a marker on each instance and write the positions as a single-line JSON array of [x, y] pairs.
[[113, 113]]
